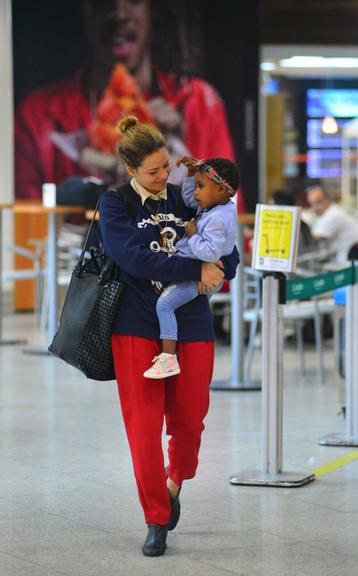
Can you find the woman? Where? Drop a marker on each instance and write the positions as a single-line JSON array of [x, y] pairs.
[[142, 242]]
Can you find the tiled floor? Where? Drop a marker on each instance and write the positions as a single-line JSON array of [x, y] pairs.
[[68, 504]]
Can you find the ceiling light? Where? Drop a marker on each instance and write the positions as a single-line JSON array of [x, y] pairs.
[[329, 125], [318, 62], [268, 66]]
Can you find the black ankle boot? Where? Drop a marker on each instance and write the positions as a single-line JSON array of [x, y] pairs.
[[175, 511], [155, 542], [174, 506]]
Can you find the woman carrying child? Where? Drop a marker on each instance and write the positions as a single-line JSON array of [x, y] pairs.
[[135, 241]]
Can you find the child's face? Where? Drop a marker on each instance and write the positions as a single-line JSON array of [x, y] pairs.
[[209, 193]]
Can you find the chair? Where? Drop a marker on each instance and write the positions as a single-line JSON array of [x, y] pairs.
[[251, 306], [295, 311], [34, 273], [298, 312], [252, 313]]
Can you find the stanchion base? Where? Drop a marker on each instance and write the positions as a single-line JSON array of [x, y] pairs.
[[12, 342], [338, 440], [39, 351], [232, 386], [281, 480]]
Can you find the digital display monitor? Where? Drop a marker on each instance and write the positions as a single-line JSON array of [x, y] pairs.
[[324, 163], [318, 139], [337, 102]]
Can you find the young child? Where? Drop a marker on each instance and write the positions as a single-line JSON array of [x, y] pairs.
[[209, 236]]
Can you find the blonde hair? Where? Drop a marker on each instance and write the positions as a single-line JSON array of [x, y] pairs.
[[138, 141]]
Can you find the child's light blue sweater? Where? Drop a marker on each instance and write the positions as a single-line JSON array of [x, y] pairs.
[[216, 229]]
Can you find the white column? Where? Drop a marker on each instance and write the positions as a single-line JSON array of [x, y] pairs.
[[262, 137], [6, 125], [237, 322]]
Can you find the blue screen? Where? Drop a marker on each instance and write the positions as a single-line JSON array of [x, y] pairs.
[[337, 102], [324, 163], [317, 139]]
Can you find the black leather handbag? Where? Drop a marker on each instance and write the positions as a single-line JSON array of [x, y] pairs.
[[83, 338]]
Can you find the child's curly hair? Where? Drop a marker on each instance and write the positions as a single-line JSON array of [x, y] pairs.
[[227, 170]]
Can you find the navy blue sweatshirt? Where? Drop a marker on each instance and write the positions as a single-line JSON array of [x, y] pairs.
[[143, 248]]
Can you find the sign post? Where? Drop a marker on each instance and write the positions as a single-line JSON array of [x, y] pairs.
[[275, 250]]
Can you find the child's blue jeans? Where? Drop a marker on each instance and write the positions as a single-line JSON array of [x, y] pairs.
[[174, 296]]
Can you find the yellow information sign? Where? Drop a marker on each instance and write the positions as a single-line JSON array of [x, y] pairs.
[[276, 237], [275, 233]]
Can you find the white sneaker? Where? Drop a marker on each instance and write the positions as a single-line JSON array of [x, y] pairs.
[[164, 365]]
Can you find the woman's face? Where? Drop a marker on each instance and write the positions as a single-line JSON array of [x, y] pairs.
[[154, 171]]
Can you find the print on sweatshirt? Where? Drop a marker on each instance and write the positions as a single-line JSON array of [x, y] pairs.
[[144, 258]]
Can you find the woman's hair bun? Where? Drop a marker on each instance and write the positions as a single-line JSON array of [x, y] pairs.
[[127, 123]]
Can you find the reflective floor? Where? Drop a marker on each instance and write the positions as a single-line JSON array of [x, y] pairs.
[[68, 503]]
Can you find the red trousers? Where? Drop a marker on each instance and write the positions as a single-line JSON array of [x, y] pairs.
[[183, 401]]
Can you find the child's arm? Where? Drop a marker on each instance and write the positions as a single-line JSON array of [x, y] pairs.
[[230, 263], [187, 192], [188, 186]]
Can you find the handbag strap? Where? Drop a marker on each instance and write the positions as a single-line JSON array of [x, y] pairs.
[[109, 265], [84, 246], [127, 199]]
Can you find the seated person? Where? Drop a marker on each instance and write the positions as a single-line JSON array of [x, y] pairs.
[[306, 241], [334, 225]]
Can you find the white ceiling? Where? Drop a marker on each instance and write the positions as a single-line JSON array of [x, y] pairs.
[[274, 53]]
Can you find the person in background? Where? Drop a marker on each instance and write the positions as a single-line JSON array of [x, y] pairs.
[[306, 241], [144, 246], [158, 42], [334, 226]]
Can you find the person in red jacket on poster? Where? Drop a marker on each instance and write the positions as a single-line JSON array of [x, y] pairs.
[[154, 40]]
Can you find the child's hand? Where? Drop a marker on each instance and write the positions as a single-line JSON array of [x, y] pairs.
[[188, 161], [190, 228]]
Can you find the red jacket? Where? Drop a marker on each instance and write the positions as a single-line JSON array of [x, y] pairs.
[[63, 107]]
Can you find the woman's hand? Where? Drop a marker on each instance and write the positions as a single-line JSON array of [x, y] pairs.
[[94, 160], [166, 116], [211, 275]]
